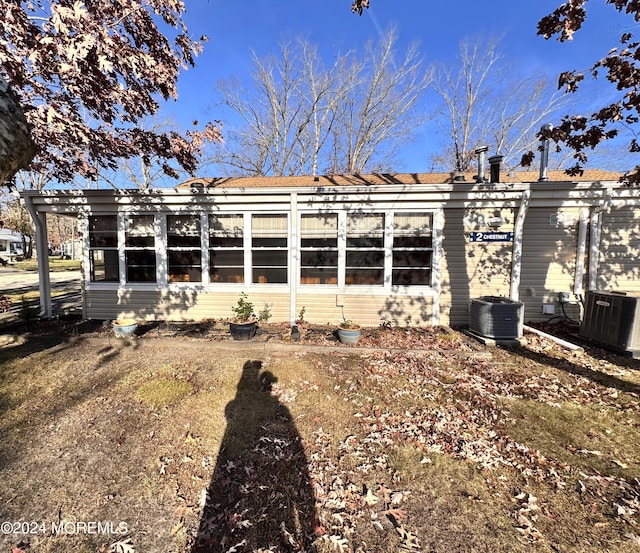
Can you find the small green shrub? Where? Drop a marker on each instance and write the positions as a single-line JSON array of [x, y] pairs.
[[265, 314], [243, 310]]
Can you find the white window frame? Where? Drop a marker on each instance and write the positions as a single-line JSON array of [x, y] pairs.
[[384, 249], [431, 249], [303, 249], [168, 249], [91, 249], [240, 249], [250, 249], [126, 219]]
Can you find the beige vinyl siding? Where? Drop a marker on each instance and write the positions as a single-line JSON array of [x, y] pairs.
[[366, 309], [620, 251], [178, 305], [101, 305], [473, 269], [550, 245]]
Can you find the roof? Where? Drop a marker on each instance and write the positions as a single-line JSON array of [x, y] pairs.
[[377, 179]]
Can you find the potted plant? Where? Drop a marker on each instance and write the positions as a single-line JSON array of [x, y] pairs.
[[349, 332], [243, 324], [124, 328]]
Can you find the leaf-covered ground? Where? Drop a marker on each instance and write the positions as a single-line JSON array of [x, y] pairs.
[[423, 440]]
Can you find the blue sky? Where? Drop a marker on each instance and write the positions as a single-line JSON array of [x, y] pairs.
[[237, 27]]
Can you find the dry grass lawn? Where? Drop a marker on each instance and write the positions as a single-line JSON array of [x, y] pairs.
[[158, 445]]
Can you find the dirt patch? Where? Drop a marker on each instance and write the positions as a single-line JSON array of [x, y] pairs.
[[181, 440]]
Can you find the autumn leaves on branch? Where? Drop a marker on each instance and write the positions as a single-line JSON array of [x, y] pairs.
[[359, 5]]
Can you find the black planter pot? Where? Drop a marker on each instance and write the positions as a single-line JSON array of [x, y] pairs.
[[243, 331]]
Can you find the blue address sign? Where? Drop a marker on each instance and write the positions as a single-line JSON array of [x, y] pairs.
[[491, 236]]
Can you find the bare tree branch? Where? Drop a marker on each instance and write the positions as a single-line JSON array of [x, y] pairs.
[[304, 117], [485, 103]]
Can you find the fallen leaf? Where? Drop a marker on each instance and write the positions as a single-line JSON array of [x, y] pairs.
[[395, 515], [204, 498], [370, 499], [123, 546], [339, 543], [632, 537], [175, 529]]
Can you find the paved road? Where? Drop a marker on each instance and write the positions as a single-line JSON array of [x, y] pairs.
[[15, 280]]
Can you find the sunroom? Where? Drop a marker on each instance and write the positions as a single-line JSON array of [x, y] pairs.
[[187, 253]]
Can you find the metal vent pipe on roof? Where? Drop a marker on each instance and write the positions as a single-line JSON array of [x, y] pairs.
[[482, 163], [544, 155], [494, 164]]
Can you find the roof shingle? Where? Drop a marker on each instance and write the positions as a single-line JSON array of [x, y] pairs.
[[378, 179]]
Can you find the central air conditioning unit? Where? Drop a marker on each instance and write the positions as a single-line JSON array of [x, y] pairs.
[[496, 317], [612, 319]]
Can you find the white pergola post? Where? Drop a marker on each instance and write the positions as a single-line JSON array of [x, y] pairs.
[[42, 248]]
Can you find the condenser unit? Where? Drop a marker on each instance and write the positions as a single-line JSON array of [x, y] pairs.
[[496, 317], [613, 320]]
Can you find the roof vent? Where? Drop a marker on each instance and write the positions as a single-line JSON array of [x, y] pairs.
[[482, 163], [544, 156], [494, 162], [458, 177]]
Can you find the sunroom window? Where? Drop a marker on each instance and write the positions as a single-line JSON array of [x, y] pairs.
[[226, 248], [319, 249], [412, 249], [184, 251], [269, 252], [140, 243], [103, 248], [365, 249]]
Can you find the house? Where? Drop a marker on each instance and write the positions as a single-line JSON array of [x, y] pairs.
[[10, 246], [407, 249]]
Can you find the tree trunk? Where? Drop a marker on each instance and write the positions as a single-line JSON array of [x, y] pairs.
[[16, 145]]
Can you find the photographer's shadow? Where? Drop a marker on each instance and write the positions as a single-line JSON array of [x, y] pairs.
[[260, 496]]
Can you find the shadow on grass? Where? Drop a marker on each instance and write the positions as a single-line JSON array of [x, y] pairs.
[[260, 496], [598, 377], [56, 340]]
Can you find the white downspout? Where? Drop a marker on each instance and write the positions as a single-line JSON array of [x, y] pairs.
[[516, 255], [294, 260], [594, 248], [436, 261], [578, 283], [42, 248], [594, 244]]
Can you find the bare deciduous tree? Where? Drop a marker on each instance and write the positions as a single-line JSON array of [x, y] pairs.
[[287, 115], [485, 103], [302, 117], [380, 112]]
